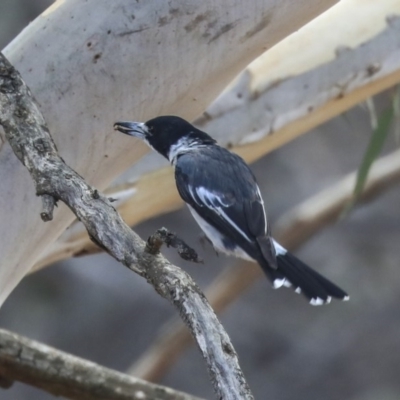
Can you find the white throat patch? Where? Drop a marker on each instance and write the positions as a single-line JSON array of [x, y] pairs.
[[183, 145]]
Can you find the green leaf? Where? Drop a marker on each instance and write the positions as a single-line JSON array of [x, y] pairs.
[[396, 108], [374, 148], [375, 145]]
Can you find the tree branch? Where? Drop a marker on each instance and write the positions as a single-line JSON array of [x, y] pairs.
[[282, 94], [30, 140], [292, 230], [163, 236], [48, 208], [65, 375]]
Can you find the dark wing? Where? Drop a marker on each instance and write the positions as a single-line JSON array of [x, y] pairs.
[[222, 189]]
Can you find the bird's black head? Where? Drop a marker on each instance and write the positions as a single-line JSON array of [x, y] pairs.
[[167, 134]]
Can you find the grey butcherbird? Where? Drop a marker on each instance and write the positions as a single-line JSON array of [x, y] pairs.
[[223, 196]]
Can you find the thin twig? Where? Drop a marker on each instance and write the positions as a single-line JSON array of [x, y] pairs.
[[48, 208], [62, 374], [171, 239], [292, 230], [30, 140]]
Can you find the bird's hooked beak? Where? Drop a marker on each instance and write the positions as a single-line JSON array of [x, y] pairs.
[[136, 129]]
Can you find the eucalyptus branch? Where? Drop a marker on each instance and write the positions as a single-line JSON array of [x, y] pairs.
[[27, 134], [62, 374]]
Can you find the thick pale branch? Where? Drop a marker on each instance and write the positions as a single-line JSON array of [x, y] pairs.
[[62, 374], [281, 95], [124, 60], [292, 230], [285, 93], [28, 136]]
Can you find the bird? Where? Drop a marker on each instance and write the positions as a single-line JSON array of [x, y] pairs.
[[223, 196]]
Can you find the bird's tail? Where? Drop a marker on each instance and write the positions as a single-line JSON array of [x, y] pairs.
[[292, 272]]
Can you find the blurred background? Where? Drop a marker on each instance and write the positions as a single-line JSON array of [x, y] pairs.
[[95, 308]]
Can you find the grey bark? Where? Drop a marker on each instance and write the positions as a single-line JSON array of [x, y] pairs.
[[65, 375], [26, 132]]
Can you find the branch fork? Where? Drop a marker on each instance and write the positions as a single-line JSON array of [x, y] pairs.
[[170, 239]]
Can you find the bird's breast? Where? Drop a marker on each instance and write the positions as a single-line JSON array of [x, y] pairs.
[[220, 242]]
